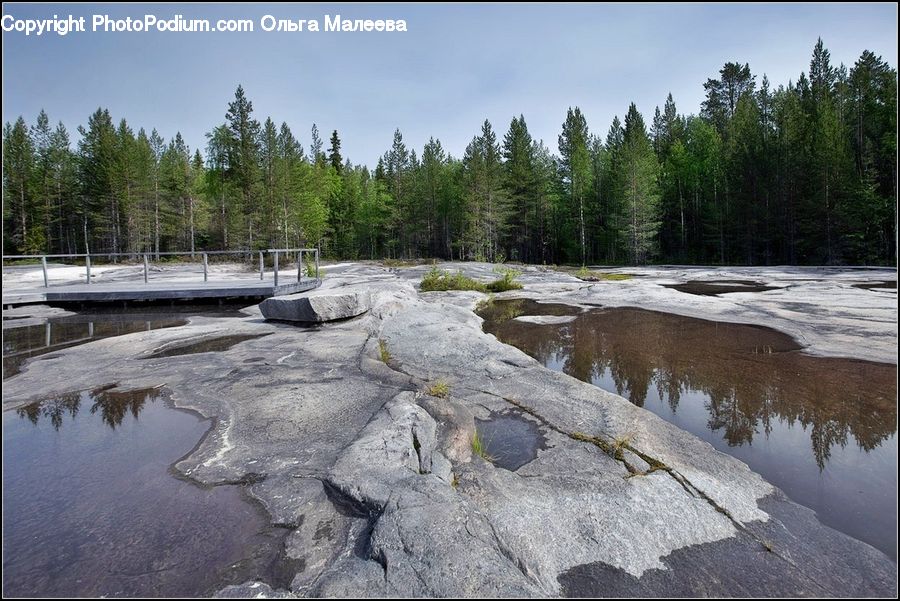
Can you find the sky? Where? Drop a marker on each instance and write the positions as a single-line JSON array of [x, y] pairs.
[[455, 66]]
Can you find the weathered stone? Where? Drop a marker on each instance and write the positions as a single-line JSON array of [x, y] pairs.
[[382, 491], [318, 305]]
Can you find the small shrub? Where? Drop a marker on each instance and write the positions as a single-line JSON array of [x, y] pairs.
[[439, 388], [383, 351], [506, 282], [438, 280]]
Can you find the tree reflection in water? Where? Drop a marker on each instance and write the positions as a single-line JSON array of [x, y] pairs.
[[749, 376], [111, 403]]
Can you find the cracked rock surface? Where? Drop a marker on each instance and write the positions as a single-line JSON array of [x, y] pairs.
[[330, 428]]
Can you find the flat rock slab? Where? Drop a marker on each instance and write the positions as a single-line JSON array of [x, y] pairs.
[[318, 306]]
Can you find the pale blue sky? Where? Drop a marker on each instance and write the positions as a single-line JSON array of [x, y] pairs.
[[456, 66]]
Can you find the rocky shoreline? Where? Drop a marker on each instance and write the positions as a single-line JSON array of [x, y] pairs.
[[333, 429]]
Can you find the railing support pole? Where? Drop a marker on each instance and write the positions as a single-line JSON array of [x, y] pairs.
[[146, 268], [317, 263], [299, 266], [262, 266], [87, 264], [44, 266], [205, 268], [276, 270]]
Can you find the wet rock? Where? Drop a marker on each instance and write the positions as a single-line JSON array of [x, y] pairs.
[[252, 590], [318, 306]]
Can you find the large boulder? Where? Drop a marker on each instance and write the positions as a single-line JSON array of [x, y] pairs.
[[318, 305]]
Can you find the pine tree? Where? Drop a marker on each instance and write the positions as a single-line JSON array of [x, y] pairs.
[[576, 171], [334, 153], [521, 185], [18, 166], [243, 161], [640, 188]]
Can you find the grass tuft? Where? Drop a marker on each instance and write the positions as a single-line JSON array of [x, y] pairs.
[[383, 351], [479, 447], [439, 388], [596, 276]]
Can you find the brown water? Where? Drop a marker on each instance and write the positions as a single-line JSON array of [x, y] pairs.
[[888, 285], [716, 287], [91, 506], [821, 429]]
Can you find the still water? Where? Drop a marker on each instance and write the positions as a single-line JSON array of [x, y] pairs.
[[24, 339], [821, 429], [91, 507]]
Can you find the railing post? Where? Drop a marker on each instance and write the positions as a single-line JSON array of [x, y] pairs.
[[47, 334], [276, 270], [44, 266], [146, 268], [317, 264], [205, 268], [299, 266], [262, 266], [87, 264]]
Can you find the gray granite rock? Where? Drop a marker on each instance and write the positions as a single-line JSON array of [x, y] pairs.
[[318, 305]]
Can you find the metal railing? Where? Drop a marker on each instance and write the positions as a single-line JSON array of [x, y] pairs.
[[204, 255]]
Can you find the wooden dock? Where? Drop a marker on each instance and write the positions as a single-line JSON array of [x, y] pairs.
[[132, 282], [153, 291]]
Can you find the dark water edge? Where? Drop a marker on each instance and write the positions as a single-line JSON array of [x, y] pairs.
[[29, 340], [93, 507], [821, 429]]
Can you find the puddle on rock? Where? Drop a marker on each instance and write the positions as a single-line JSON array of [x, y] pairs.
[[890, 285], [821, 429], [91, 507], [500, 311], [510, 439], [207, 345], [22, 342], [715, 287]]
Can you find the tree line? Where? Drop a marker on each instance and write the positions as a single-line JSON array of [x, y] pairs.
[[805, 173]]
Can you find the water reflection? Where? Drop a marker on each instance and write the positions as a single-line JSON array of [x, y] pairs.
[[217, 344], [716, 287], [112, 405], [23, 343], [748, 390], [90, 507]]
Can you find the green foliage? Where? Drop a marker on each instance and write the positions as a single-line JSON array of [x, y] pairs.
[[479, 447], [506, 281], [438, 280], [797, 173], [439, 388]]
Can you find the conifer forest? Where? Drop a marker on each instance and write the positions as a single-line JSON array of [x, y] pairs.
[[796, 172]]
